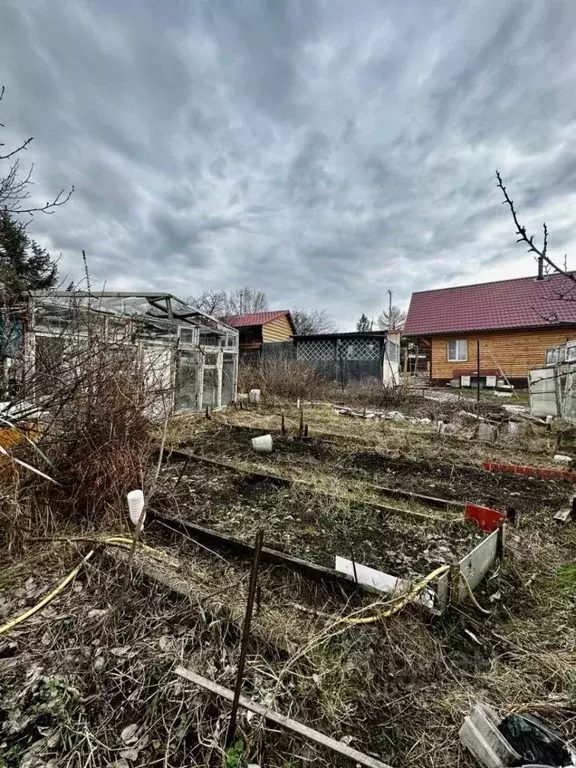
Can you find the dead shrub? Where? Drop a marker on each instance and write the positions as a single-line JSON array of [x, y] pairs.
[[284, 379], [99, 399]]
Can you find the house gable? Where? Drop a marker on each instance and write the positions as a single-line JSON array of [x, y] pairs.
[[279, 329]]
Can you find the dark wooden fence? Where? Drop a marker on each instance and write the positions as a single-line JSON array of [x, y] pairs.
[[340, 369]]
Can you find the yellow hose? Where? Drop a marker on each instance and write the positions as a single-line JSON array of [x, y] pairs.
[[475, 602], [402, 601], [45, 600]]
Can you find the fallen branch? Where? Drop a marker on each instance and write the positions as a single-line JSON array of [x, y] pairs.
[[286, 722]]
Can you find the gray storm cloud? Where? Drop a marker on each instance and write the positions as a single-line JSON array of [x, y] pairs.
[[320, 151]]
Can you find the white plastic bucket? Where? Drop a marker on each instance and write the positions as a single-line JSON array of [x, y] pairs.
[[135, 505], [262, 444], [254, 395]]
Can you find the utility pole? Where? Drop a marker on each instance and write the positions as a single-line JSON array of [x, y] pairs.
[[390, 310]]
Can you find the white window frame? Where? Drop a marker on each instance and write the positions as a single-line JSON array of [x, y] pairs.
[[457, 358]]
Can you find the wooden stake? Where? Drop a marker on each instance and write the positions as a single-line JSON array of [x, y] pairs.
[[301, 430], [245, 637], [306, 430], [339, 747], [283, 425]]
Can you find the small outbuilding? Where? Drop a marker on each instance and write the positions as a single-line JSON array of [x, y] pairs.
[[259, 328]]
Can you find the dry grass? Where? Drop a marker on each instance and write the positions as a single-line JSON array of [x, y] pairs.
[[75, 677], [283, 380], [101, 659], [531, 445]]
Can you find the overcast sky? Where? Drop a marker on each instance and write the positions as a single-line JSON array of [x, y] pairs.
[[322, 151]]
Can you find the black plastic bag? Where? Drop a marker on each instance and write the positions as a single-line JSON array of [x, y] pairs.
[[538, 744]]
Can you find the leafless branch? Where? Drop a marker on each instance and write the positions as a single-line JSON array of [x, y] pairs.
[[22, 146], [14, 187], [523, 237]]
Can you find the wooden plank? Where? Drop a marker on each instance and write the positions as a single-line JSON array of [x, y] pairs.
[[286, 722], [270, 626], [476, 564], [518, 469], [218, 539], [432, 501], [259, 474]]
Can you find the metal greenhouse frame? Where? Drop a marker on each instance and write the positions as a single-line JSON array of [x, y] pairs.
[[192, 354]]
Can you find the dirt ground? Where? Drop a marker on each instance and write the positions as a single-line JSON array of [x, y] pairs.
[[89, 681]]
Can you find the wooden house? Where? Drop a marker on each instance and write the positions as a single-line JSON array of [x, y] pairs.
[[511, 323], [258, 328]]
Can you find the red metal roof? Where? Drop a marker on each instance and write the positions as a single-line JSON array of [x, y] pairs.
[[257, 318], [520, 303]]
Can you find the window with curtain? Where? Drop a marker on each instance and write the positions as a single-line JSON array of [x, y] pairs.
[[457, 351]]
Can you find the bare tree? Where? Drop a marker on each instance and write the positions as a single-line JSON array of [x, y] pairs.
[[246, 300], [15, 183], [225, 303], [391, 321], [545, 264], [213, 302], [308, 321]]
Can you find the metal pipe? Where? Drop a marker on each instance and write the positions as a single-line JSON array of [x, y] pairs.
[[478, 371]]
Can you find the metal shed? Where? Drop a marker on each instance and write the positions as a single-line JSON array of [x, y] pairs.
[[193, 355]]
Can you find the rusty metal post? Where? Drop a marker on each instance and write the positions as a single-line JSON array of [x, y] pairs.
[[301, 430], [245, 637], [283, 425], [478, 372]]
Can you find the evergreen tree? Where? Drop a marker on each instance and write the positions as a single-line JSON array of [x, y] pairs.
[[24, 264], [363, 324]]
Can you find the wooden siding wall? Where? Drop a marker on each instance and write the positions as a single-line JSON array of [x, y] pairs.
[[278, 329], [513, 351]]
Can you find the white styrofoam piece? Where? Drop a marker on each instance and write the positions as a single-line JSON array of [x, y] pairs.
[[383, 582], [561, 458], [254, 396]]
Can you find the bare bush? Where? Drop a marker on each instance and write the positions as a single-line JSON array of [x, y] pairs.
[[285, 379], [98, 394]]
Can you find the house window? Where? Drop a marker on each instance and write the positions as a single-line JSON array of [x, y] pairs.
[[457, 351]]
